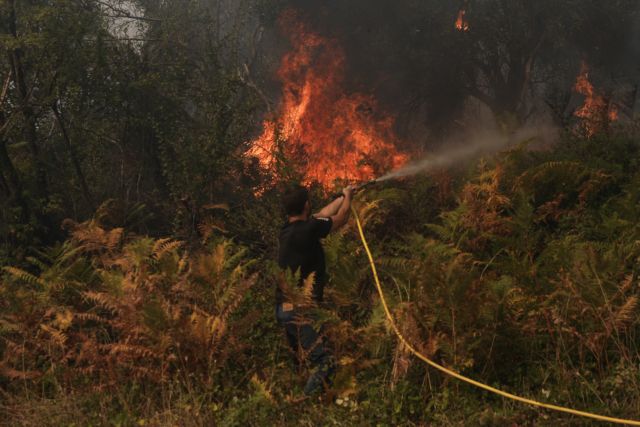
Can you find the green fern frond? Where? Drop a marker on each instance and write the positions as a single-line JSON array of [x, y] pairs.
[[558, 168], [26, 277]]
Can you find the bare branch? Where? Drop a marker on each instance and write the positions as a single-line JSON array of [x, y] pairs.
[[5, 88], [121, 13], [130, 39], [245, 77]]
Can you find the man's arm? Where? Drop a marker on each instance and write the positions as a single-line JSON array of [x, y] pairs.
[[331, 209], [342, 216]]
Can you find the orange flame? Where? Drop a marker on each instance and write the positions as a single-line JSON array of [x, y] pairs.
[[461, 22], [595, 112], [325, 132]]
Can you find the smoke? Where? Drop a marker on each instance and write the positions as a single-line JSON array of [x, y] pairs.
[[480, 142], [426, 74], [411, 58], [634, 41], [398, 53]]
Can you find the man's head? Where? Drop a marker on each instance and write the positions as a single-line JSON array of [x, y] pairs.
[[296, 201]]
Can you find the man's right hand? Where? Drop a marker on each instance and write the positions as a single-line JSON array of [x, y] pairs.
[[348, 191], [341, 217]]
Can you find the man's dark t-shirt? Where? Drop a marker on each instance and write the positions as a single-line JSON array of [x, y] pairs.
[[300, 248]]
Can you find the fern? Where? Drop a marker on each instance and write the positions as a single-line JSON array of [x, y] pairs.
[[544, 170], [26, 277], [164, 246], [626, 314]]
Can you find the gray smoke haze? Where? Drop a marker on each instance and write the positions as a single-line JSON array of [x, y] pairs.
[[409, 56]]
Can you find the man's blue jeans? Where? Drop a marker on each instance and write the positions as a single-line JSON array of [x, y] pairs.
[[308, 344]]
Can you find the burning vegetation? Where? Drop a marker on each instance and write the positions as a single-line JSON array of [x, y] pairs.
[[461, 22], [595, 112], [153, 304], [326, 132]]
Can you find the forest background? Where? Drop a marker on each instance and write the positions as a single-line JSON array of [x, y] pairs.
[[137, 237]]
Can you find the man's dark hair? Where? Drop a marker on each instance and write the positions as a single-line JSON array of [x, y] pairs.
[[295, 197]]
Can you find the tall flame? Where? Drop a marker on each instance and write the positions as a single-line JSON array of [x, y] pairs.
[[461, 22], [595, 112], [327, 133]]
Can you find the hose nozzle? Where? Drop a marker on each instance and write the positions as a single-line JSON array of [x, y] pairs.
[[358, 187]]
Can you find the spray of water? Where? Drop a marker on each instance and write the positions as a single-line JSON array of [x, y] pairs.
[[479, 143]]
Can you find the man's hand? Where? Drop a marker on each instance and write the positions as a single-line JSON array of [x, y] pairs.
[[332, 208], [341, 217], [348, 191]]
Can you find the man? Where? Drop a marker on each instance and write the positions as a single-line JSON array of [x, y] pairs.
[[301, 251]]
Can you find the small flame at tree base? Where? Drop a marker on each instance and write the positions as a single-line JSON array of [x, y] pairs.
[[461, 22], [595, 112], [327, 134]]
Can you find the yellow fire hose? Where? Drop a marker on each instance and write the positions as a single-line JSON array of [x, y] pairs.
[[462, 377]]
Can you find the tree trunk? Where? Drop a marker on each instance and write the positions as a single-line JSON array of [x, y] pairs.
[[506, 91], [9, 178], [73, 156], [157, 164], [4, 186], [636, 106], [12, 182], [17, 71]]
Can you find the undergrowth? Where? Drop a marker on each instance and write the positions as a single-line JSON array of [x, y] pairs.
[[520, 271]]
